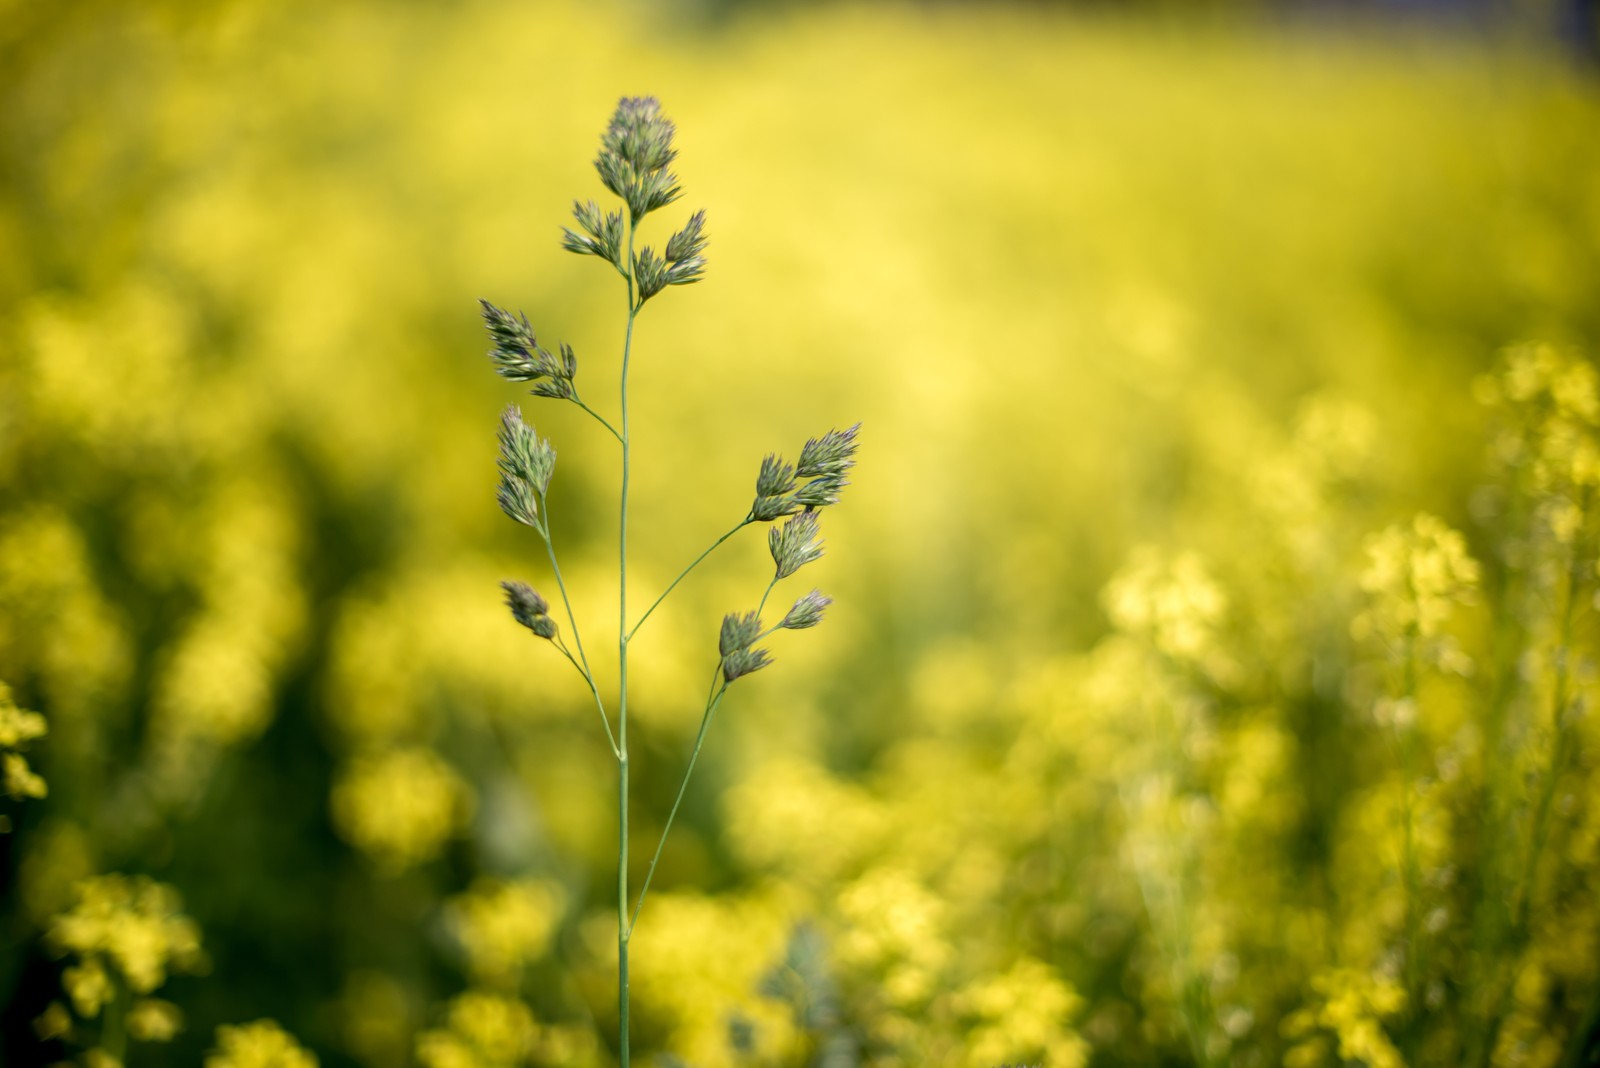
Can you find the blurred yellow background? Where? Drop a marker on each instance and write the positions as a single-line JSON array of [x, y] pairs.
[[1150, 323]]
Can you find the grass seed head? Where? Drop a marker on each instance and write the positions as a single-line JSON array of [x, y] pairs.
[[744, 662], [529, 608], [776, 477], [518, 356], [738, 632], [601, 236], [807, 611], [526, 464], [649, 272], [820, 492], [795, 544], [833, 454], [635, 151], [684, 252]]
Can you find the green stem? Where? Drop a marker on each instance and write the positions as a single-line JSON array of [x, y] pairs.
[[1492, 916], [683, 786], [713, 698], [1578, 1042], [1161, 904], [746, 521], [602, 420], [623, 927], [581, 670], [1407, 739], [1558, 715], [572, 621], [1522, 911], [1165, 904], [114, 1031]]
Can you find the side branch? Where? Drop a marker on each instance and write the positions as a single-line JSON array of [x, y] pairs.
[[762, 607], [683, 786], [582, 663], [746, 521], [598, 417]]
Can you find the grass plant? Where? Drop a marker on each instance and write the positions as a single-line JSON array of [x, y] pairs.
[[634, 164]]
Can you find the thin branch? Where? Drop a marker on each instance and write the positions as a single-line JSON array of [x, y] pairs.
[[685, 573], [602, 419], [624, 926], [572, 621], [683, 786], [762, 606]]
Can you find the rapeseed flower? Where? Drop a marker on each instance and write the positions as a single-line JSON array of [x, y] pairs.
[[261, 1044]]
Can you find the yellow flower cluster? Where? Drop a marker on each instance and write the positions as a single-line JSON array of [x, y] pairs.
[[701, 959], [17, 729], [261, 1044], [896, 931], [215, 686], [1021, 1017], [1416, 576], [1298, 487], [503, 926], [482, 1030], [793, 817], [123, 927], [485, 1029], [220, 541], [153, 1020], [400, 806], [423, 634], [1352, 1006], [1549, 398], [1527, 1040], [1173, 602], [57, 620]]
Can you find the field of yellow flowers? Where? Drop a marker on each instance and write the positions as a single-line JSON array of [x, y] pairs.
[[1212, 672]]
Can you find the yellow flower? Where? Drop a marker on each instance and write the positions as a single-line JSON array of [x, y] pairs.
[[20, 780], [1023, 1016], [1551, 402], [54, 1022], [401, 806], [1353, 1007], [88, 986], [154, 1020], [482, 1030], [17, 727], [1174, 603], [262, 1044], [503, 926], [896, 929], [134, 923], [1415, 577]]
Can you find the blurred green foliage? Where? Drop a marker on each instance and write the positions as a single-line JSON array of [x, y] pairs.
[[1102, 753]]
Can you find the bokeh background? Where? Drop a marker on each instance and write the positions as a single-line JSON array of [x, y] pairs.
[[1111, 751]]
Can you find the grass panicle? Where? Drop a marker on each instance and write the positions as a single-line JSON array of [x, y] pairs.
[[635, 154]]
